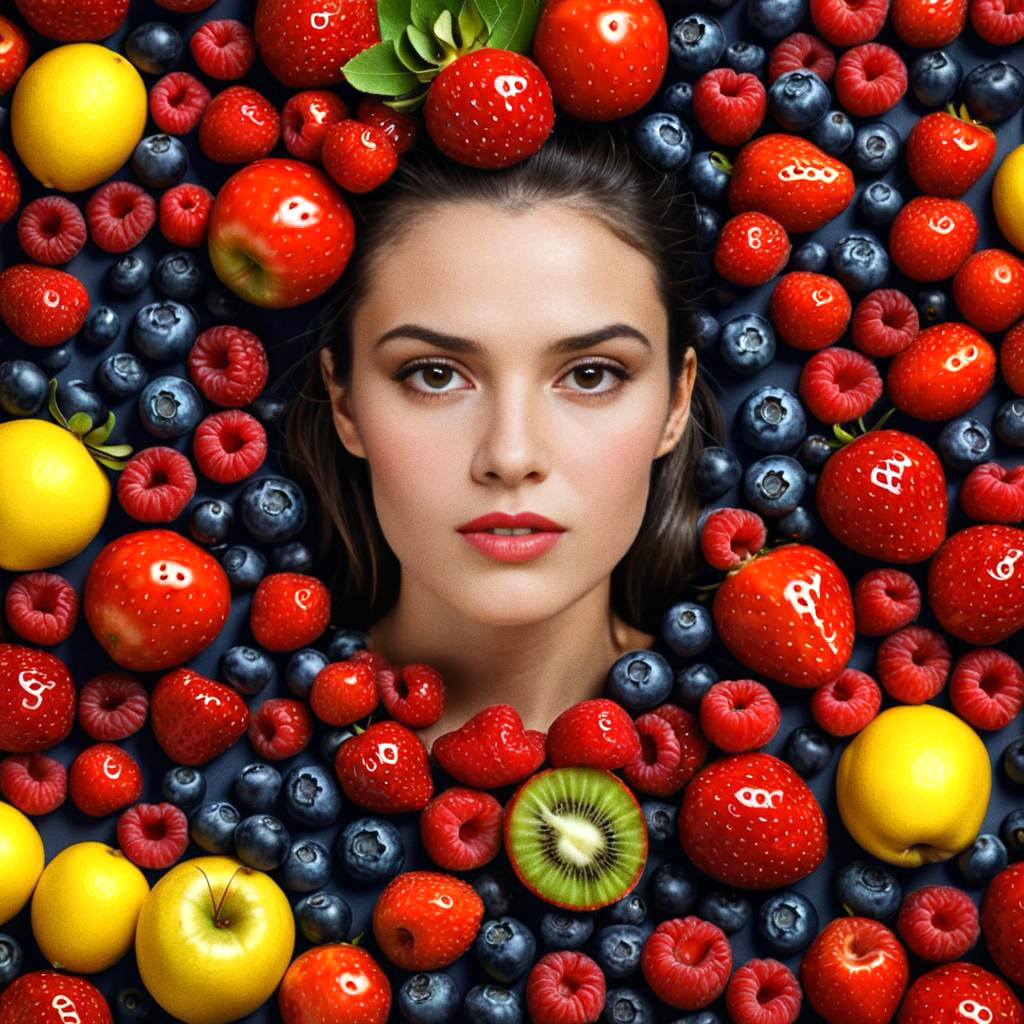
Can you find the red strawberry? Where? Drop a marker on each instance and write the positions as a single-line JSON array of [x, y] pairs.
[[976, 583], [1011, 359], [195, 719], [787, 614], [960, 992], [74, 22], [1002, 921], [930, 237], [810, 311], [238, 125], [489, 108], [412, 695], [947, 154], [386, 769], [750, 821], [37, 700], [402, 130], [10, 187], [989, 289], [751, 249], [343, 692], [13, 58], [104, 778], [492, 749], [928, 23], [792, 180], [42, 305], [884, 495], [289, 610], [140, 582], [359, 157], [946, 370], [45, 997], [597, 733], [310, 989]]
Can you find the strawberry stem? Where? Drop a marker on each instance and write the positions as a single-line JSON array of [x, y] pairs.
[[80, 424], [720, 161]]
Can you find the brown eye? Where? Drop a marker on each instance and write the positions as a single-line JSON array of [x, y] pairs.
[[589, 376]]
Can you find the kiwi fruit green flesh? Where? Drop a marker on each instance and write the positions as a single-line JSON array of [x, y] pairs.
[[576, 837]]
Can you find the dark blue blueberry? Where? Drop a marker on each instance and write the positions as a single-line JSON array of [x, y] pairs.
[[869, 890], [121, 375], [272, 508], [247, 669], [833, 133], [692, 683], [331, 740], [707, 177], [677, 98], [76, 396], [268, 410], [178, 276], [1011, 831], [343, 643], [164, 330], [101, 327], [746, 58], [798, 526], [665, 140], [11, 959], [369, 850], [994, 91], [169, 407], [262, 842], [212, 826], [184, 786], [983, 859], [630, 909], [154, 47], [774, 19], [661, 821], [701, 1017], [728, 909], [505, 948], [771, 419], [860, 262], [627, 1004], [492, 1004], [561, 929], [133, 1006], [429, 998], [686, 628], [23, 387], [696, 43], [244, 566], [307, 866], [128, 275], [716, 471], [932, 306], [706, 331], [672, 891], [798, 99], [709, 227], [160, 161], [811, 256], [814, 452], [808, 750], [787, 922], [497, 891], [210, 521], [324, 917], [303, 667], [311, 796], [295, 556], [747, 343], [256, 787], [1008, 423], [1013, 762], [879, 204], [875, 148], [222, 304], [639, 680], [775, 485], [935, 77], [964, 443], [617, 950], [53, 360]]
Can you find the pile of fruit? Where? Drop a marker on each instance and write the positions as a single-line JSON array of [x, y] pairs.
[[804, 804]]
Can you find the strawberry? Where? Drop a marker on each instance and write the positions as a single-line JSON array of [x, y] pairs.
[[238, 125], [792, 180], [402, 130], [335, 982], [1011, 359], [37, 700], [930, 237], [928, 23], [195, 719], [289, 610], [946, 370], [809, 311], [787, 614], [750, 821], [45, 997], [751, 249], [359, 157], [883, 494], [104, 778], [42, 305], [960, 992], [14, 52], [989, 289], [74, 22], [386, 769], [976, 583], [597, 733], [343, 692], [1002, 921], [490, 750], [946, 153], [489, 108], [412, 695], [10, 188]]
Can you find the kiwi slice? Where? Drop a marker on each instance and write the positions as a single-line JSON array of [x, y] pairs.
[[576, 837]]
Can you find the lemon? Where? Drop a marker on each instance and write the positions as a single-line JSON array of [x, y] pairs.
[[77, 114], [53, 495], [86, 906], [21, 860], [1008, 197]]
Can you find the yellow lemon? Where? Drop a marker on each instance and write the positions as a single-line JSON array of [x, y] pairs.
[[1008, 197], [77, 114], [86, 906], [913, 786], [21, 860]]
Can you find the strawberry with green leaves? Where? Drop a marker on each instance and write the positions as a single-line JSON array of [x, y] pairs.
[[948, 152]]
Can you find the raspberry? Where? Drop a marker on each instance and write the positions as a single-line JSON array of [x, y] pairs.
[[729, 106], [885, 600], [343, 692], [103, 779], [239, 125], [870, 79], [461, 828], [885, 322], [693, 746], [991, 493], [229, 366], [401, 129], [847, 703], [938, 922], [809, 311], [359, 157], [738, 715], [1000, 22], [51, 230], [687, 962], [802, 52], [177, 102], [913, 664], [653, 772], [305, 119], [112, 706], [156, 484], [42, 608], [987, 688], [280, 728], [414, 696], [838, 385], [224, 48], [763, 992], [730, 536], [1011, 359], [185, 214], [153, 836], [565, 987], [185, 6], [34, 783], [848, 22], [229, 446], [120, 214]]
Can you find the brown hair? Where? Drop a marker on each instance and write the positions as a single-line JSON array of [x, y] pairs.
[[596, 174]]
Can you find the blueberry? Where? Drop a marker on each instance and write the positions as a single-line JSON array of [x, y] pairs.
[[272, 508], [932, 306], [814, 452], [993, 91], [860, 262], [244, 566], [492, 1004], [630, 909], [665, 140], [370, 850], [811, 256], [798, 526], [1008, 423], [160, 161], [677, 98], [707, 176], [627, 1004], [691, 683], [247, 669], [496, 888], [706, 329], [964, 443], [256, 787], [639, 680], [212, 826], [709, 227], [686, 628], [772, 419], [787, 922], [879, 204], [184, 786], [833, 133], [53, 360], [716, 471], [23, 387], [560, 929], [76, 396], [505, 948], [331, 740], [808, 750], [774, 19], [178, 275], [798, 99], [11, 959], [324, 917], [672, 891], [169, 407], [303, 667], [1013, 762], [875, 148], [154, 47], [121, 376], [221, 303], [210, 521], [128, 275], [983, 859], [164, 330], [262, 842], [307, 866], [101, 327], [696, 43], [311, 796], [268, 410], [428, 998], [295, 556], [748, 58], [1011, 831], [617, 950], [747, 343], [345, 642], [935, 77], [701, 1017], [729, 910], [869, 890], [661, 821], [133, 1005]]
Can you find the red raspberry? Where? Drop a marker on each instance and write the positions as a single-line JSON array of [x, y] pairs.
[[305, 119], [401, 129], [224, 48], [156, 484], [729, 106], [103, 779], [848, 22], [730, 536], [177, 102], [1000, 22], [377, 661], [229, 446], [153, 836], [991, 493], [885, 600], [120, 214], [42, 608], [693, 746], [913, 664], [185, 6], [595, 733], [185, 214], [763, 992], [413, 695], [751, 249], [51, 230], [809, 311], [802, 52], [359, 157], [654, 771], [847, 703], [885, 322], [461, 828], [34, 783], [343, 692], [565, 987], [738, 715], [112, 706], [281, 728], [870, 79], [989, 289], [987, 688], [686, 962], [938, 922], [838, 385], [1011, 359], [239, 125], [289, 610], [229, 366]]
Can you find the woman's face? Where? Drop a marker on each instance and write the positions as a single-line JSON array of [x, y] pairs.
[[512, 425]]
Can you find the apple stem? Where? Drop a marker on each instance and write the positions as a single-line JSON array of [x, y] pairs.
[[213, 901], [223, 896]]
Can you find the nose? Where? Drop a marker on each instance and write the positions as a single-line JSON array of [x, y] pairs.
[[514, 437]]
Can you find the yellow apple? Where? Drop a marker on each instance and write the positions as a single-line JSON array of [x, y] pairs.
[[21, 860], [214, 939]]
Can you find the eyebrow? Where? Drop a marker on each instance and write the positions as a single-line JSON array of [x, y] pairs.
[[454, 343]]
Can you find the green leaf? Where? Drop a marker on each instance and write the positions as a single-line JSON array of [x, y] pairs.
[[407, 104], [80, 424], [117, 451], [378, 70], [392, 17], [425, 13], [408, 55], [490, 11], [425, 45], [53, 406], [471, 25], [843, 435], [105, 460], [515, 26], [100, 434], [443, 31], [884, 419]]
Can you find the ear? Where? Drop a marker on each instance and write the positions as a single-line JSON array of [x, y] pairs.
[[344, 422], [679, 412]]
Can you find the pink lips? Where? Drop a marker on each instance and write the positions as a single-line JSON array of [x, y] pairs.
[[508, 548]]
